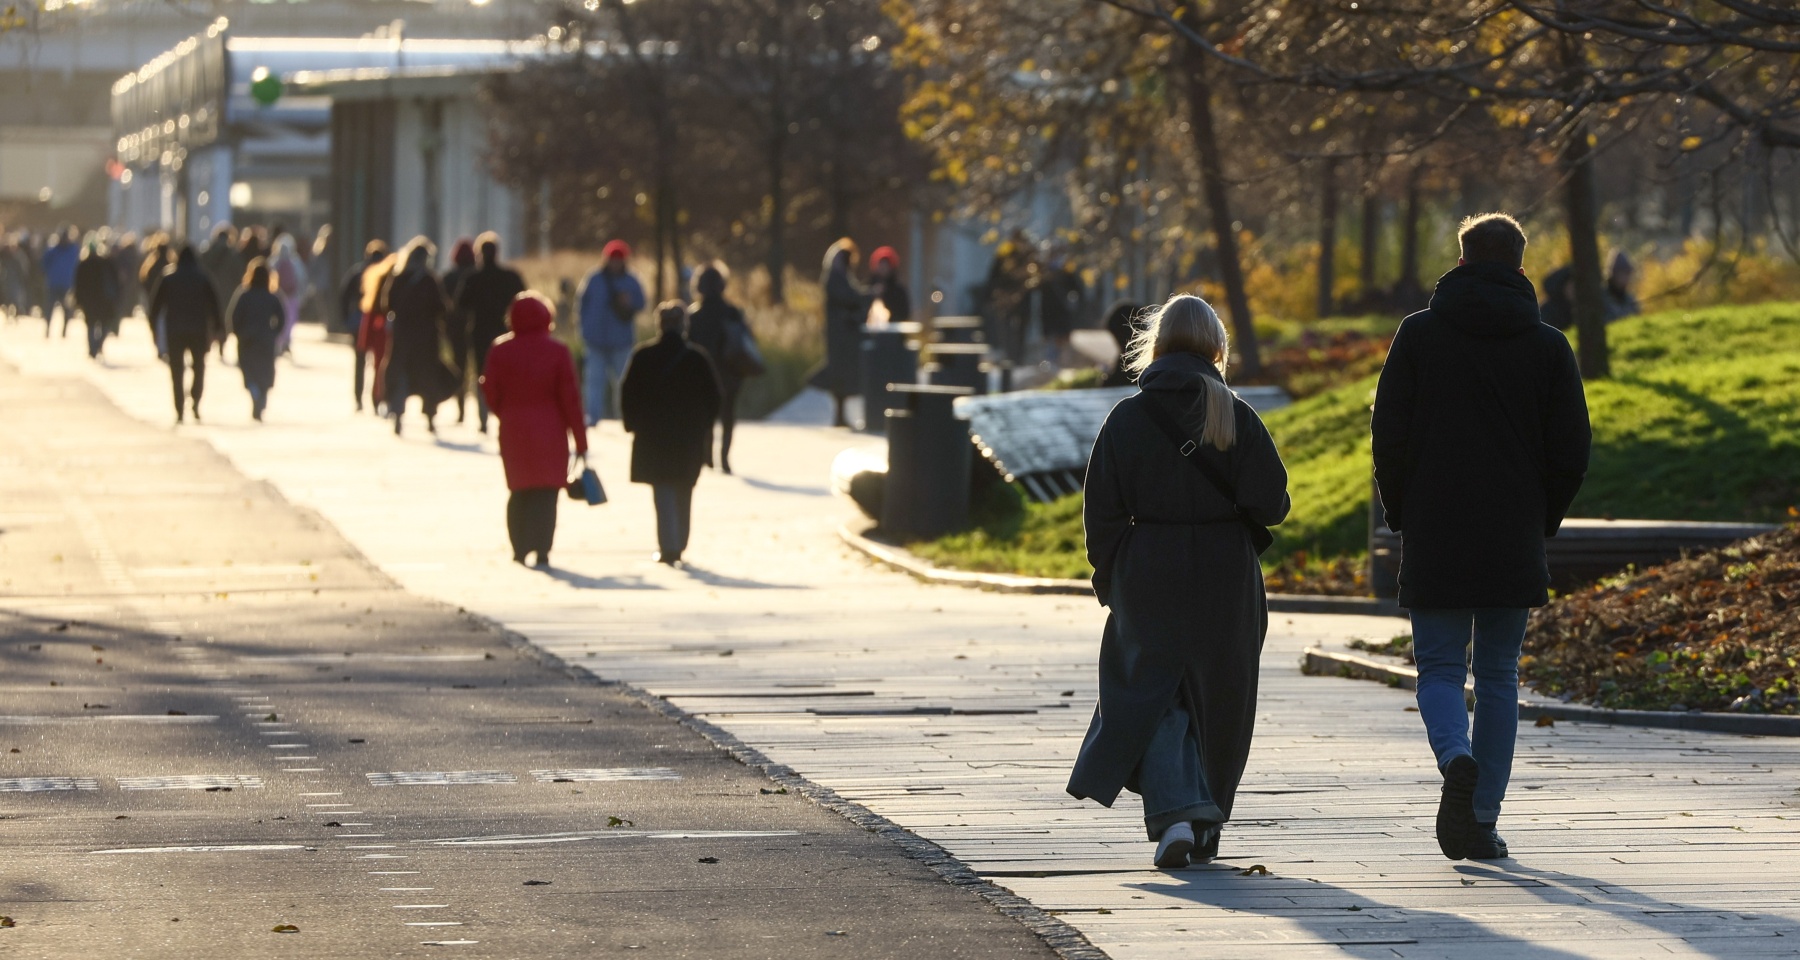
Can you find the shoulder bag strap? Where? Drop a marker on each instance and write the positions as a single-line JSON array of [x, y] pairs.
[[1188, 446]]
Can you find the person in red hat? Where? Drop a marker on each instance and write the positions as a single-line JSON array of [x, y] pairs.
[[529, 383], [885, 285], [611, 298]]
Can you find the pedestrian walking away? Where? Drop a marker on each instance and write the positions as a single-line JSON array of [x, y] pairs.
[[718, 327], [1480, 435], [415, 307], [288, 272], [530, 387], [223, 262], [456, 324], [357, 301], [887, 293], [59, 261], [670, 398], [188, 322], [1175, 562], [97, 294], [846, 314], [256, 316], [610, 300], [483, 303]]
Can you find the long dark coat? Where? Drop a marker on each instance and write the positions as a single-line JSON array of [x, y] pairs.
[[257, 319], [1481, 438], [711, 328], [186, 305], [97, 290], [1182, 578], [416, 312], [670, 399], [484, 298], [846, 313]]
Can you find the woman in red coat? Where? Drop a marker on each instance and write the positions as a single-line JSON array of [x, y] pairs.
[[530, 385]]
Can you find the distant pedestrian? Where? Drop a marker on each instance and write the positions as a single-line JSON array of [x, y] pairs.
[[60, 258], [97, 294], [1620, 301], [846, 316], [224, 262], [610, 300], [415, 307], [484, 303], [187, 317], [357, 301], [718, 327], [886, 288], [1121, 322], [670, 398], [456, 322], [289, 273], [321, 285], [530, 386], [1481, 437], [1175, 559], [128, 259], [257, 315]]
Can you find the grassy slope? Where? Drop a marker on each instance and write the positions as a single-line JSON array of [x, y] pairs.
[[1701, 421]]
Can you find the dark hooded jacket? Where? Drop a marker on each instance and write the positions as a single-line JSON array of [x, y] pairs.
[[257, 318], [1182, 579], [416, 312], [1481, 437], [185, 303], [483, 299], [670, 399]]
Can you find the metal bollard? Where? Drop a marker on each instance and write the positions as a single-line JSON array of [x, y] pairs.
[[887, 357], [929, 459]]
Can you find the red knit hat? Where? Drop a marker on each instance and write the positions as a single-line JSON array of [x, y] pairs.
[[529, 313], [615, 248], [889, 254]]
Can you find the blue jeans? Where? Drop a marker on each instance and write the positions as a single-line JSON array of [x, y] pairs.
[[1441, 640], [603, 372], [1171, 778]]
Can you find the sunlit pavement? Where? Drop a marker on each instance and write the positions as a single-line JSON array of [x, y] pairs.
[[956, 713]]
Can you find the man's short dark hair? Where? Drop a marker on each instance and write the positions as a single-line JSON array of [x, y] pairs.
[[1492, 238]]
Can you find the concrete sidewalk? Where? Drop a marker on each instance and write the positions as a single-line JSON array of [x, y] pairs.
[[956, 713]]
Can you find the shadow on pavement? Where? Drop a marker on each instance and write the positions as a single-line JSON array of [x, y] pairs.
[[712, 579], [805, 491], [582, 581]]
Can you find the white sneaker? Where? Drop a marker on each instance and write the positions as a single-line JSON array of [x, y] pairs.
[[1176, 843]]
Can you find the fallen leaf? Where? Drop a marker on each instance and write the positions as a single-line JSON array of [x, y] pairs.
[[1255, 870], [562, 780], [1546, 721], [1354, 909], [13, 750], [218, 789], [709, 860], [837, 933], [97, 648], [619, 822], [1412, 709], [725, 653], [537, 883], [766, 791], [356, 739], [35, 646], [271, 718], [64, 626], [177, 713], [1066, 693], [1104, 911], [1467, 882], [487, 656], [7, 922], [95, 706], [284, 928], [331, 823], [121, 817]]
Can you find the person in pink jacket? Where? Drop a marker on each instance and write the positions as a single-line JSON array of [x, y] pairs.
[[530, 386]]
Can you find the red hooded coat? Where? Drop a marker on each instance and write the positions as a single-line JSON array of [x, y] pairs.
[[530, 386]]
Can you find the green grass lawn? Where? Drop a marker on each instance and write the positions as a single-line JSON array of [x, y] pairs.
[[1700, 421]]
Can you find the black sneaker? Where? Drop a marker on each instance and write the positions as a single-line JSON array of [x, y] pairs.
[[1487, 844], [1456, 828], [1206, 843]]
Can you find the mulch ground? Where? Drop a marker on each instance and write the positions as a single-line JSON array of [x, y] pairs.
[[1715, 631]]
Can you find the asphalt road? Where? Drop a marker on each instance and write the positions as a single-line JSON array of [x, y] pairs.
[[217, 721]]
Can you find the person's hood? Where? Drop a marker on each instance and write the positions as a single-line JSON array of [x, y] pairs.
[[1489, 300], [187, 260], [1177, 372], [529, 314]]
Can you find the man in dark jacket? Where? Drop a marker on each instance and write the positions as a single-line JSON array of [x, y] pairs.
[[482, 303], [670, 398], [1481, 441], [186, 310]]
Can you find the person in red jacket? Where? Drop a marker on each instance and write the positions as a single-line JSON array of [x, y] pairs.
[[529, 383]]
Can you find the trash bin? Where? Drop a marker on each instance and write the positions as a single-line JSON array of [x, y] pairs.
[[888, 356], [958, 329], [929, 455], [959, 365]]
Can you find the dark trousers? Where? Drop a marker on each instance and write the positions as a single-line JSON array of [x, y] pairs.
[[182, 351], [531, 521], [674, 509], [362, 363], [479, 349], [727, 421]]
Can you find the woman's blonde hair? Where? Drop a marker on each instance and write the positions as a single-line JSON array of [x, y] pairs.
[[1187, 324]]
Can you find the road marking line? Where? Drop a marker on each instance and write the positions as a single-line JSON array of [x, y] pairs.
[[406, 889], [333, 793], [43, 784], [230, 848], [421, 906], [393, 873], [21, 721], [524, 839], [370, 846], [446, 943], [604, 774], [190, 782], [302, 769], [434, 923], [438, 778]]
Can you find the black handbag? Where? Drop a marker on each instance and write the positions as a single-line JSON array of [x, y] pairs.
[[1260, 537]]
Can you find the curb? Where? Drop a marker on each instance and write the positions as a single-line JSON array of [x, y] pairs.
[[1318, 663], [907, 562], [1069, 943]]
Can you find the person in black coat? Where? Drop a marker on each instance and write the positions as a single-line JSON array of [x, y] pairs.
[[670, 398], [846, 315], [715, 326], [1480, 435], [456, 323], [97, 294], [1178, 569], [416, 310], [185, 310], [350, 310], [257, 319], [481, 302]]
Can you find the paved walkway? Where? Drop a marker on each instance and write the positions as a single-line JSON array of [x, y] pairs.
[[956, 713]]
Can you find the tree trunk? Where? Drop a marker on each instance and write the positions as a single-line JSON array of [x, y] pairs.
[[1581, 208], [1371, 244], [660, 236], [1328, 218], [1407, 288], [777, 254], [1218, 203]]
